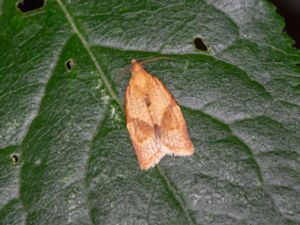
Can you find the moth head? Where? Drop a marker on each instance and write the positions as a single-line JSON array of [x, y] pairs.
[[136, 67]]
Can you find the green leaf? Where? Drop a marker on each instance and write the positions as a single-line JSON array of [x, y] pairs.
[[241, 101]]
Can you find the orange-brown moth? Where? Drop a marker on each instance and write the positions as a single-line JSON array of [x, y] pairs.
[[154, 120]]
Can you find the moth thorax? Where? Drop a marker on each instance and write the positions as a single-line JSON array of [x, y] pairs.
[[140, 81]]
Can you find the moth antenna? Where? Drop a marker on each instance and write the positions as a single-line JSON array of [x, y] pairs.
[[157, 58], [128, 68]]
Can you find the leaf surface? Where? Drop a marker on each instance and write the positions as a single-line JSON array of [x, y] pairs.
[[241, 101]]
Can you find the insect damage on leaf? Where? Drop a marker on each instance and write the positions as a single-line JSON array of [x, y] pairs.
[[154, 120], [69, 64], [29, 5], [14, 158], [199, 44]]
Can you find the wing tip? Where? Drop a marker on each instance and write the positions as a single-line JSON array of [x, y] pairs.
[[184, 151], [150, 163]]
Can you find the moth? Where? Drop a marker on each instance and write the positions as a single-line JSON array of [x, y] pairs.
[[154, 120]]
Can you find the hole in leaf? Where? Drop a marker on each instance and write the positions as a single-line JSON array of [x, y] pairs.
[[29, 5], [199, 44], [69, 64], [14, 158]]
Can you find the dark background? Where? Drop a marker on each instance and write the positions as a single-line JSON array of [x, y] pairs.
[[290, 10]]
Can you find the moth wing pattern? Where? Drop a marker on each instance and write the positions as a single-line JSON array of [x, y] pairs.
[[141, 131], [173, 131]]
